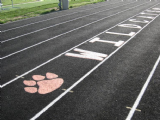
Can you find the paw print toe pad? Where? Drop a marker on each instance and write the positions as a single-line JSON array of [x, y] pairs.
[[29, 83], [51, 75], [30, 89], [38, 77]]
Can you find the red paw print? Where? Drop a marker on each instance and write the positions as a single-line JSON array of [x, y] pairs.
[[45, 86]]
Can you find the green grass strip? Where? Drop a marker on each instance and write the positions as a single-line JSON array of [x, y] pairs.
[[17, 14]]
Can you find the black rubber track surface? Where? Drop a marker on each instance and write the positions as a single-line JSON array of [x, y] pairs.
[[108, 91]]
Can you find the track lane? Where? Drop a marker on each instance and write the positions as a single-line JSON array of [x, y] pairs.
[[149, 104], [136, 103], [150, 100]]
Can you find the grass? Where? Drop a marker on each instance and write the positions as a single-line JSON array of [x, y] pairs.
[[28, 11], [8, 8], [9, 2]]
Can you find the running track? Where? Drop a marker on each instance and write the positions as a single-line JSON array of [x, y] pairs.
[[107, 55]]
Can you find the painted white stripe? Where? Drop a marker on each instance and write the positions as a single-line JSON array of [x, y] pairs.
[[5, 84], [144, 13], [55, 18], [64, 33], [119, 43], [142, 90], [156, 8], [153, 11], [149, 17], [115, 33], [82, 78], [130, 26], [143, 21], [59, 24]]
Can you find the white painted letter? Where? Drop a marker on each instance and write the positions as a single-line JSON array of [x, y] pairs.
[[156, 8], [153, 11], [87, 55], [148, 13], [130, 34], [134, 20], [149, 17], [130, 26], [119, 43]]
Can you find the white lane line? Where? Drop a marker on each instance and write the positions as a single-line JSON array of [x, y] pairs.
[[143, 90], [54, 18], [60, 23], [82, 78], [5, 84], [65, 33]]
